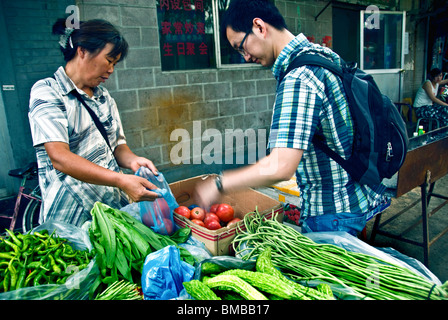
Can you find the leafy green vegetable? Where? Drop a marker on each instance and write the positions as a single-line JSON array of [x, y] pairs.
[[122, 244]]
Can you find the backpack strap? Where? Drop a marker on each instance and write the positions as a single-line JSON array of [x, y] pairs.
[[317, 60]]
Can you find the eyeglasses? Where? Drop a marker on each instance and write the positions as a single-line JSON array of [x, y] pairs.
[[240, 48]]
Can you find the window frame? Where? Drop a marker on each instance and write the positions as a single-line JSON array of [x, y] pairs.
[[361, 43], [216, 28]]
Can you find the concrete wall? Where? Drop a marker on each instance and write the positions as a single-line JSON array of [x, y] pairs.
[[28, 53]]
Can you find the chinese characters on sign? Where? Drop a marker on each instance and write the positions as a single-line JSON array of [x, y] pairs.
[[184, 40]]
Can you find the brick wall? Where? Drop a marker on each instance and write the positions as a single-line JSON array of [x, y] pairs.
[[300, 17]]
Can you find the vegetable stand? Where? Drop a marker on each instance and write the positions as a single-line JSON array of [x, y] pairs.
[[417, 171], [120, 258]]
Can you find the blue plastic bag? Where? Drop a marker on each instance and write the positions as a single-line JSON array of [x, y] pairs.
[[163, 274], [158, 214]]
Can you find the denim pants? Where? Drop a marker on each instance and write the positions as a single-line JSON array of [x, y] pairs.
[[348, 222]]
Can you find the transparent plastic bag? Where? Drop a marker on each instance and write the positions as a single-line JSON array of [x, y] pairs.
[[158, 214], [163, 274], [197, 249], [77, 285]]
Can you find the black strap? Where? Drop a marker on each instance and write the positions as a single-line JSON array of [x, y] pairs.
[[97, 121], [317, 60]]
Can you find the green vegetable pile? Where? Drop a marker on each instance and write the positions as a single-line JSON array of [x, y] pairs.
[[120, 290], [40, 258], [302, 260], [265, 283], [122, 244]]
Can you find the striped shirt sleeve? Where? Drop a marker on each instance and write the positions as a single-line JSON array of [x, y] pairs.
[[47, 114], [296, 111]]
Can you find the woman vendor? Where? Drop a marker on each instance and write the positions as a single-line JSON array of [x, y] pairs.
[[78, 164]]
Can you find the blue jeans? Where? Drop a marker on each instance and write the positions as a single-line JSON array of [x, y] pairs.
[[348, 222]]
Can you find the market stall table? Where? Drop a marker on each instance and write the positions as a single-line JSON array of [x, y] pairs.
[[426, 162]]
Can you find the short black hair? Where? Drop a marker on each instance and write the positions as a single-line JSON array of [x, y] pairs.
[[434, 73], [92, 35], [241, 13]]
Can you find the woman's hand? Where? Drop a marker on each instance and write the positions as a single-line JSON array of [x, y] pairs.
[[127, 159], [143, 162], [137, 188], [79, 168]]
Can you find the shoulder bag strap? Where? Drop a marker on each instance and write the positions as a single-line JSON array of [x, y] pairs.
[[97, 121]]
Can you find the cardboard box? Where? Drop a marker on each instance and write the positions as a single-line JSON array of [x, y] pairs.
[[219, 242]]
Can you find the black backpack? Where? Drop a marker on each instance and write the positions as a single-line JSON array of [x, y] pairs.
[[380, 138]]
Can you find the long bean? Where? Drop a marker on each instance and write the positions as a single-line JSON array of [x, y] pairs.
[[304, 260]]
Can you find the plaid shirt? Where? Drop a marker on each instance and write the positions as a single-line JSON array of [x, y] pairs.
[[311, 99], [56, 115]]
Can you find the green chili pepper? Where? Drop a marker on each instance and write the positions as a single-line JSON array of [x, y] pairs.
[[13, 273], [58, 253], [30, 276], [34, 264], [21, 278], [62, 280], [13, 246], [5, 255], [46, 266], [54, 266], [26, 244], [14, 238], [6, 282], [53, 241], [38, 277], [40, 234], [68, 252], [79, 258], [61, 262], [28, 253]]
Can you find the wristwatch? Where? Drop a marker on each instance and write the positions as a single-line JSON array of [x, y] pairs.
[[218, 182]]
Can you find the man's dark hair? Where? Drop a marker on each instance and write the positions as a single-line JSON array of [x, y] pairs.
[[241, 13]]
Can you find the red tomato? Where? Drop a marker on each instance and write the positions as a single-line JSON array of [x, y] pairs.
[[197, 213], [233, 221], [183, 211], [225, 212], [198, 222], [210, 215], [214, 207], [165, 210], [212, 224], [147, 219], [168, 226]]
